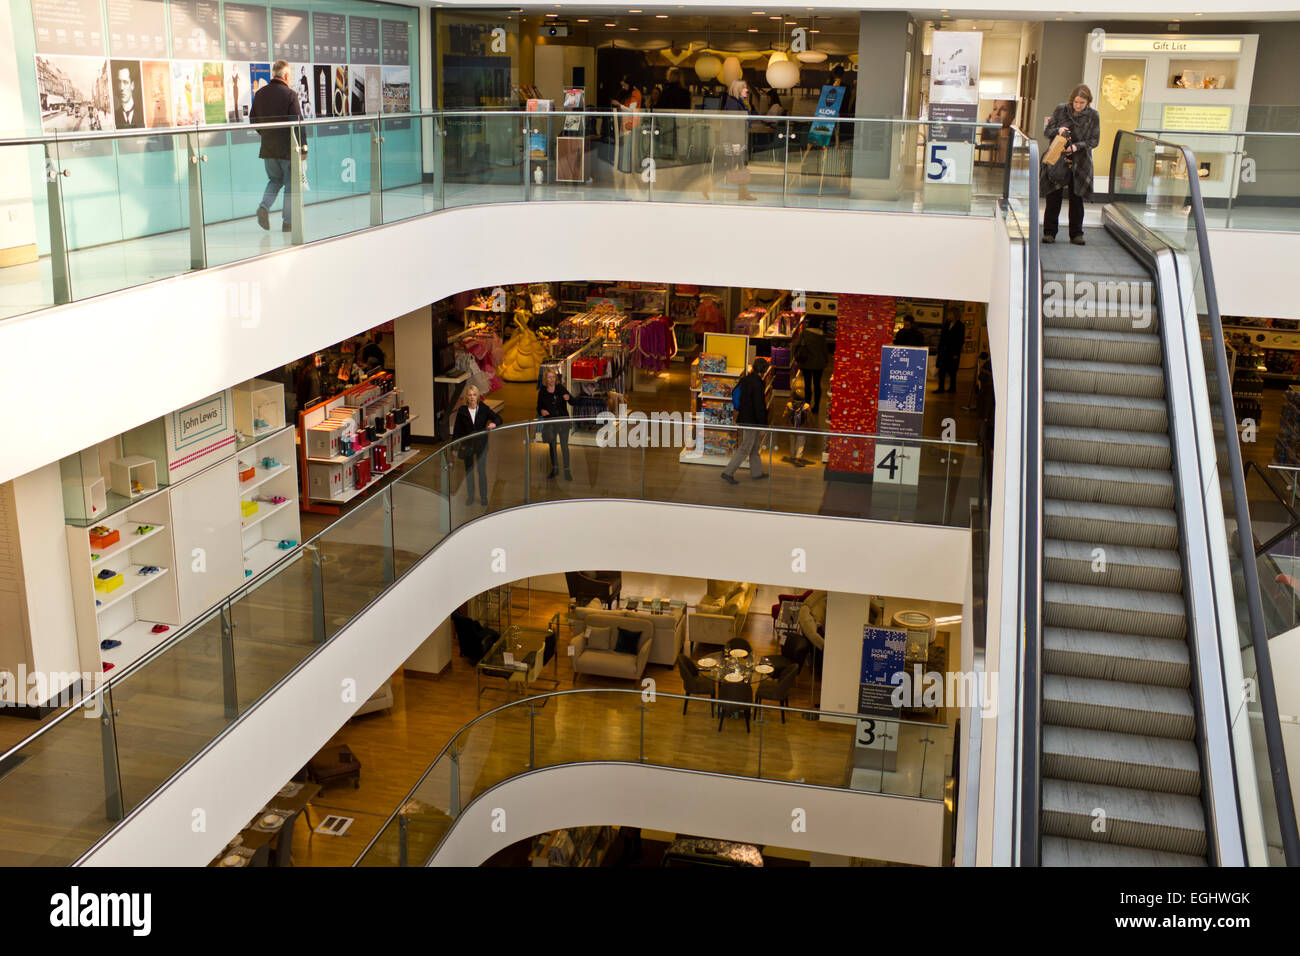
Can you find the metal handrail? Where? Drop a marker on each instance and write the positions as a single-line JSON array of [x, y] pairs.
[[544, 698], [1241, 507]]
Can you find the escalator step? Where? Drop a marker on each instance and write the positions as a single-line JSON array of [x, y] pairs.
[[1120, 412], [1105, 446], [1110, 524], [1125, 610], [1145, 819], [1101, 655], [1112, 566], [1118, 706], [1106, 484], [1121, 760], [1106, 378], [1061, 852], [1090, 345]]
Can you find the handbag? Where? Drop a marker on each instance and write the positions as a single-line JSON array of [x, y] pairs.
[[1060, 172], [738, 177], [1056, 150]]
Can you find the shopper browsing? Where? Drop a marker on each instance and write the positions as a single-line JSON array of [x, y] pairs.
[[909, 334], [473, 417], [553, 402], [274, 103], [735, 139], [952, 338], [1071, 175], [752, 412], [812, 355]]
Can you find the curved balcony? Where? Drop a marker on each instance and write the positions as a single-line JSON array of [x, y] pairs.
[[71, 784]]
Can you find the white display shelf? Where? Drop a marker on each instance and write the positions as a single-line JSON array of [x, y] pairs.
[[265, 511], [261, 476], [399, 459], [262, 555], [125, 543], [137, 640], [686, 458], [344, 459], [380, 398], [134, 581]]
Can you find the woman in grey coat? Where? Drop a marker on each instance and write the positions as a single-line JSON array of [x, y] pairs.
[[1077, 119]]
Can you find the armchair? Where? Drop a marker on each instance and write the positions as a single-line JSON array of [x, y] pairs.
[[609, 662], [474, 639], [604, 586]]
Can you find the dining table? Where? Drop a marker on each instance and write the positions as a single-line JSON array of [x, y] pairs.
[[265, 827]]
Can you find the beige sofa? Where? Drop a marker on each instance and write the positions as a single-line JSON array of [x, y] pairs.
[[720, 613], [669, 630], [609, 662]]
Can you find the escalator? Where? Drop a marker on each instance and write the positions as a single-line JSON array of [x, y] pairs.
[[1139, 743], [1119, 724]]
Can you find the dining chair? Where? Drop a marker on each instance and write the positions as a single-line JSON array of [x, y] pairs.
[[737, 693], [739, 642], [778, 689], [283, 854], [261, 856], [694, 682]]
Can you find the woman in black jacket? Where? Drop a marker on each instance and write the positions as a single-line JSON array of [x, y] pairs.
[[812, 355], [1079, 121], [474, 416], [553, 402]]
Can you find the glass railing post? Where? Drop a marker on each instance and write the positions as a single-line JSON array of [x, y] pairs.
[[771, 448], [648, 170], [440, 161], [643, 467], [453, 782], [390, 570], [401, 840], [317, 594], [294, 193], [527, 160], [785, 164], [640, 753], [377, 174], [760, 718], [198, 240], [59, 274], [947, 482], [444, 501], [532, 735], [108, 747], [229, 684], [528, 464]]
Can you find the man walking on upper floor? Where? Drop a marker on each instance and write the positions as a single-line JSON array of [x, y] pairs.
[[277, 102]]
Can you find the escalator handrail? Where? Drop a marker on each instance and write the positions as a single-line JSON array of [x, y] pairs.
[[1254, 604], [1030, 722]]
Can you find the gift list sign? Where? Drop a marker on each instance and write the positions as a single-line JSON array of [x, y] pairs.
[[199, 435]]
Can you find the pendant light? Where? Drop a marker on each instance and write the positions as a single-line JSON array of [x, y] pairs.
[[707, 66], [782, 72], [731, 70], [810, 55]]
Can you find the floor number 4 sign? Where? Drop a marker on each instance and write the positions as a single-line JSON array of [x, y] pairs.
[[897, 465]]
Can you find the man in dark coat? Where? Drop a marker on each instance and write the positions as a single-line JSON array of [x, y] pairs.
[[952, 337], [752, 412], [909, 334], [277, 102], [1080, 122]]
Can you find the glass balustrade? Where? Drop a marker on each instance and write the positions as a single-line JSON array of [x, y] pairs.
[[112, 210], [870, 755], [140, 728]]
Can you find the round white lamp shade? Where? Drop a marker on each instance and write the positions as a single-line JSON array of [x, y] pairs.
[[731, 70], [782, 75], [812, 56], [708, 66], [776, 57]]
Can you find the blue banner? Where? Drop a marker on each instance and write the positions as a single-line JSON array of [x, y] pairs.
[[882, 659], [901, 411], [829, 105]]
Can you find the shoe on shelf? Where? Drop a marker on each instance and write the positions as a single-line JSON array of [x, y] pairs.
[[264, 218], [1077, 241], [728, 479], [1049, 239]]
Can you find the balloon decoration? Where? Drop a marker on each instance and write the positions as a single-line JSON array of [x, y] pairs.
[[707, 67]]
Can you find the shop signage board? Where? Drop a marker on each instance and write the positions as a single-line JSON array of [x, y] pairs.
[[900, 412], [68, 26], [246, 35], [329, 38], [829, 105], [954, 93], [1201, 119], [882, 659], [137, 28], [290, 35], [1131, 44], [199, 435], [395, 42], [196, 29], [363, 39]]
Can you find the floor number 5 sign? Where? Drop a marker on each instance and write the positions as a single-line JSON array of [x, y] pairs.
[[948, 163]]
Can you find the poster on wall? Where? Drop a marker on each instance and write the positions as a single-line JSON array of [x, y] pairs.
[[357, 77], [322, 84], [374, 91], [882, 659], [340, 101], [239, 91], [68, 26], [363, 40], [290, 35], [214, 93], [199, 435], [137, 28], [954, 93], [329, 39], [397, 89], [246, 37], [300, 81], [187, 93], [901, 410], [74, 93], [395, 43], [128, 110], [156, 92], [196, 28]]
